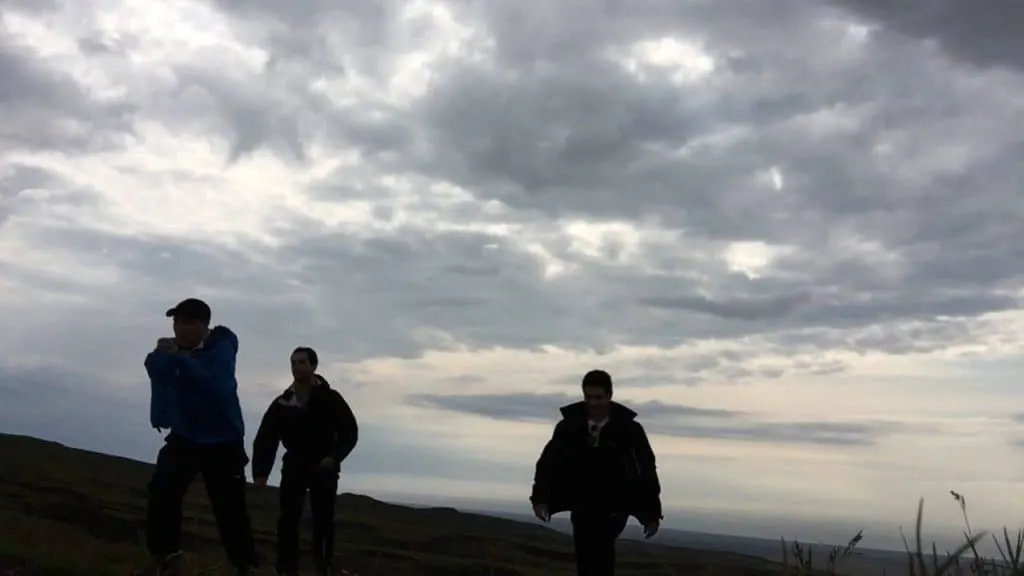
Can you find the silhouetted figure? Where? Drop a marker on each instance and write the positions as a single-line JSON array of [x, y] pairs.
[[599, 466], [195, 396], [318, 431]]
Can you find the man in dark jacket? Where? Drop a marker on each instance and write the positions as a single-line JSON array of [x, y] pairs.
[[194, 394], [599, 466], [318, 431]]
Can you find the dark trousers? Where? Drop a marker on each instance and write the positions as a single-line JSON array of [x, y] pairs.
[[594, 533], [322, 486], [223, 469]]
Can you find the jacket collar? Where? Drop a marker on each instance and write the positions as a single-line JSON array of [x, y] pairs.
[[578, 411], [320, 385]]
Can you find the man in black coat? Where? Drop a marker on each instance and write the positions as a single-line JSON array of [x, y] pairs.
[[318, 431], [600, 467]]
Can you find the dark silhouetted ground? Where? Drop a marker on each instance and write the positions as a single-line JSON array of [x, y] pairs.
[[69, 512]]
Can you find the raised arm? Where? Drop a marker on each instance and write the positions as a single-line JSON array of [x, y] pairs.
[[158, 364], [164, 399], [212, 372]]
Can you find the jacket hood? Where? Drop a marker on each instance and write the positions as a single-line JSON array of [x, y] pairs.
[[578, 410], [222, 333]]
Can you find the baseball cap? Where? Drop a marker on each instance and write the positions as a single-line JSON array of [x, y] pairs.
[[191, 308]]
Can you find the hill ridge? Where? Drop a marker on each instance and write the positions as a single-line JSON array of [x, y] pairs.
[[90, 506]]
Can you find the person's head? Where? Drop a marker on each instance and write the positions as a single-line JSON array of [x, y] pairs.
[[304, 363], [597, 393], [191, 322]]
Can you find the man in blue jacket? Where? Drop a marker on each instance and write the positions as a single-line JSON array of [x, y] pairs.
[[194, 394]]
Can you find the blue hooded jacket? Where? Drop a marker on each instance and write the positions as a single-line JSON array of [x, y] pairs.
[[195, 395]]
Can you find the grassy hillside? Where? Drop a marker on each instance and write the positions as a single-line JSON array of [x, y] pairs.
[[69, 512]]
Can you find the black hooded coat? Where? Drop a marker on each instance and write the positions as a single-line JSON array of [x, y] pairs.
[[565, 477]]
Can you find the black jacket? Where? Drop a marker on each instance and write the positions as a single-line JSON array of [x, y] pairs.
[[557, 482], [324, 427]]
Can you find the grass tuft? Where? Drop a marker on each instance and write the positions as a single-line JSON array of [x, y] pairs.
[[798, 560]]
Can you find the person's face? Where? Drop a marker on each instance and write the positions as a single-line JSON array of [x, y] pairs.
[[301, 368], [189, 332], [597, 401]]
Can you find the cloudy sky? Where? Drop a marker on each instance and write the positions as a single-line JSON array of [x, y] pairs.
[[790, 229]]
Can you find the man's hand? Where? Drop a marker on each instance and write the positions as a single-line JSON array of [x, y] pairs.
[[261, 482], [327, 463], [166, 345], [651, 528], [541, 512]]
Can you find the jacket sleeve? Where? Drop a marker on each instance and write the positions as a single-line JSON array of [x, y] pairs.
[[213, 373], [648, 469], [158, 365], [548, 465], [163, 391], [264, 447], [346, 431]]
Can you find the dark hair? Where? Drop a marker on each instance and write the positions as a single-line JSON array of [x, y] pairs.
[[310, 355], [598, 379]]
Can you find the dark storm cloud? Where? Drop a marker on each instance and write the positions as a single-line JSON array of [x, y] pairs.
[[368, 18], [298, 290], [754, 309], [173, 265], [478, 288], [569, 137], [961, 279], [555, 129], [47, 110], [563, 140], [696, 369], [15, 181], [539, 407], [573, 135], [33, 5], [412, 272], [669, 419], [269, 312], [504, 300], [985, 34], [205, 101]]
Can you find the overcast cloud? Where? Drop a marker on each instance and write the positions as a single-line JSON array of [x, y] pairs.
[[790, 229]]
